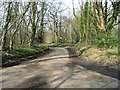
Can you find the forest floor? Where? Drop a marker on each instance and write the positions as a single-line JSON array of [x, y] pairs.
[[60, 68]]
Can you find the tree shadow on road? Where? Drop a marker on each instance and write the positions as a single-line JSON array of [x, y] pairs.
[[77, 61], [92, 66], [17, 61], [69, 75], [38, 81]]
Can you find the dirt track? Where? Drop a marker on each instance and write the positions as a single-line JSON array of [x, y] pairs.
[[58, 70]]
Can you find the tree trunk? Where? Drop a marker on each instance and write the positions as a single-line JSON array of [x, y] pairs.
[[8, 18], [34, 7], [41, 32], [98, 18]]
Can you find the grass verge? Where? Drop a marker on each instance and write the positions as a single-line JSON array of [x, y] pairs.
[[16, 54], [101, 56]]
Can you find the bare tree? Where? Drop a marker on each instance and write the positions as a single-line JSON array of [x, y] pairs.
[[8, 18]]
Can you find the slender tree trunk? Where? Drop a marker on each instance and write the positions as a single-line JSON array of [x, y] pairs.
[[17, 26], [34, 7], [87, 22], [105, 14], [41, 34]]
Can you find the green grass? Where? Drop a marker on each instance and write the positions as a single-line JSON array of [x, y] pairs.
[[23, 52], [28, 51]]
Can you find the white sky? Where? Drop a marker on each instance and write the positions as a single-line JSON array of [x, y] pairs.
[[68, 4], [76, 4]]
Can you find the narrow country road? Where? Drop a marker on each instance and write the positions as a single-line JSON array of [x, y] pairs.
[[56, 70]]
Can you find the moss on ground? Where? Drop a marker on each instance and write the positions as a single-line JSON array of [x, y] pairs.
[[22, 52]]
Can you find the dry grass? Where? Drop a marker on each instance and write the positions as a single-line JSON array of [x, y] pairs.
[[105, 57]]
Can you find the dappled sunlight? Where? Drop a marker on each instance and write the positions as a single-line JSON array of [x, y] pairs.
[[58, 72], [59, 44]]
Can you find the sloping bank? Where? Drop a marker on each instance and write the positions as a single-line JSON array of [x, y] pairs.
[[103, 57], [17, 56]]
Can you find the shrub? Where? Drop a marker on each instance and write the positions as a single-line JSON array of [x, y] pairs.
[[108, 40]]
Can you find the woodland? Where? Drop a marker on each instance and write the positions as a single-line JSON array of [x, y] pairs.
[[30, 27]]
